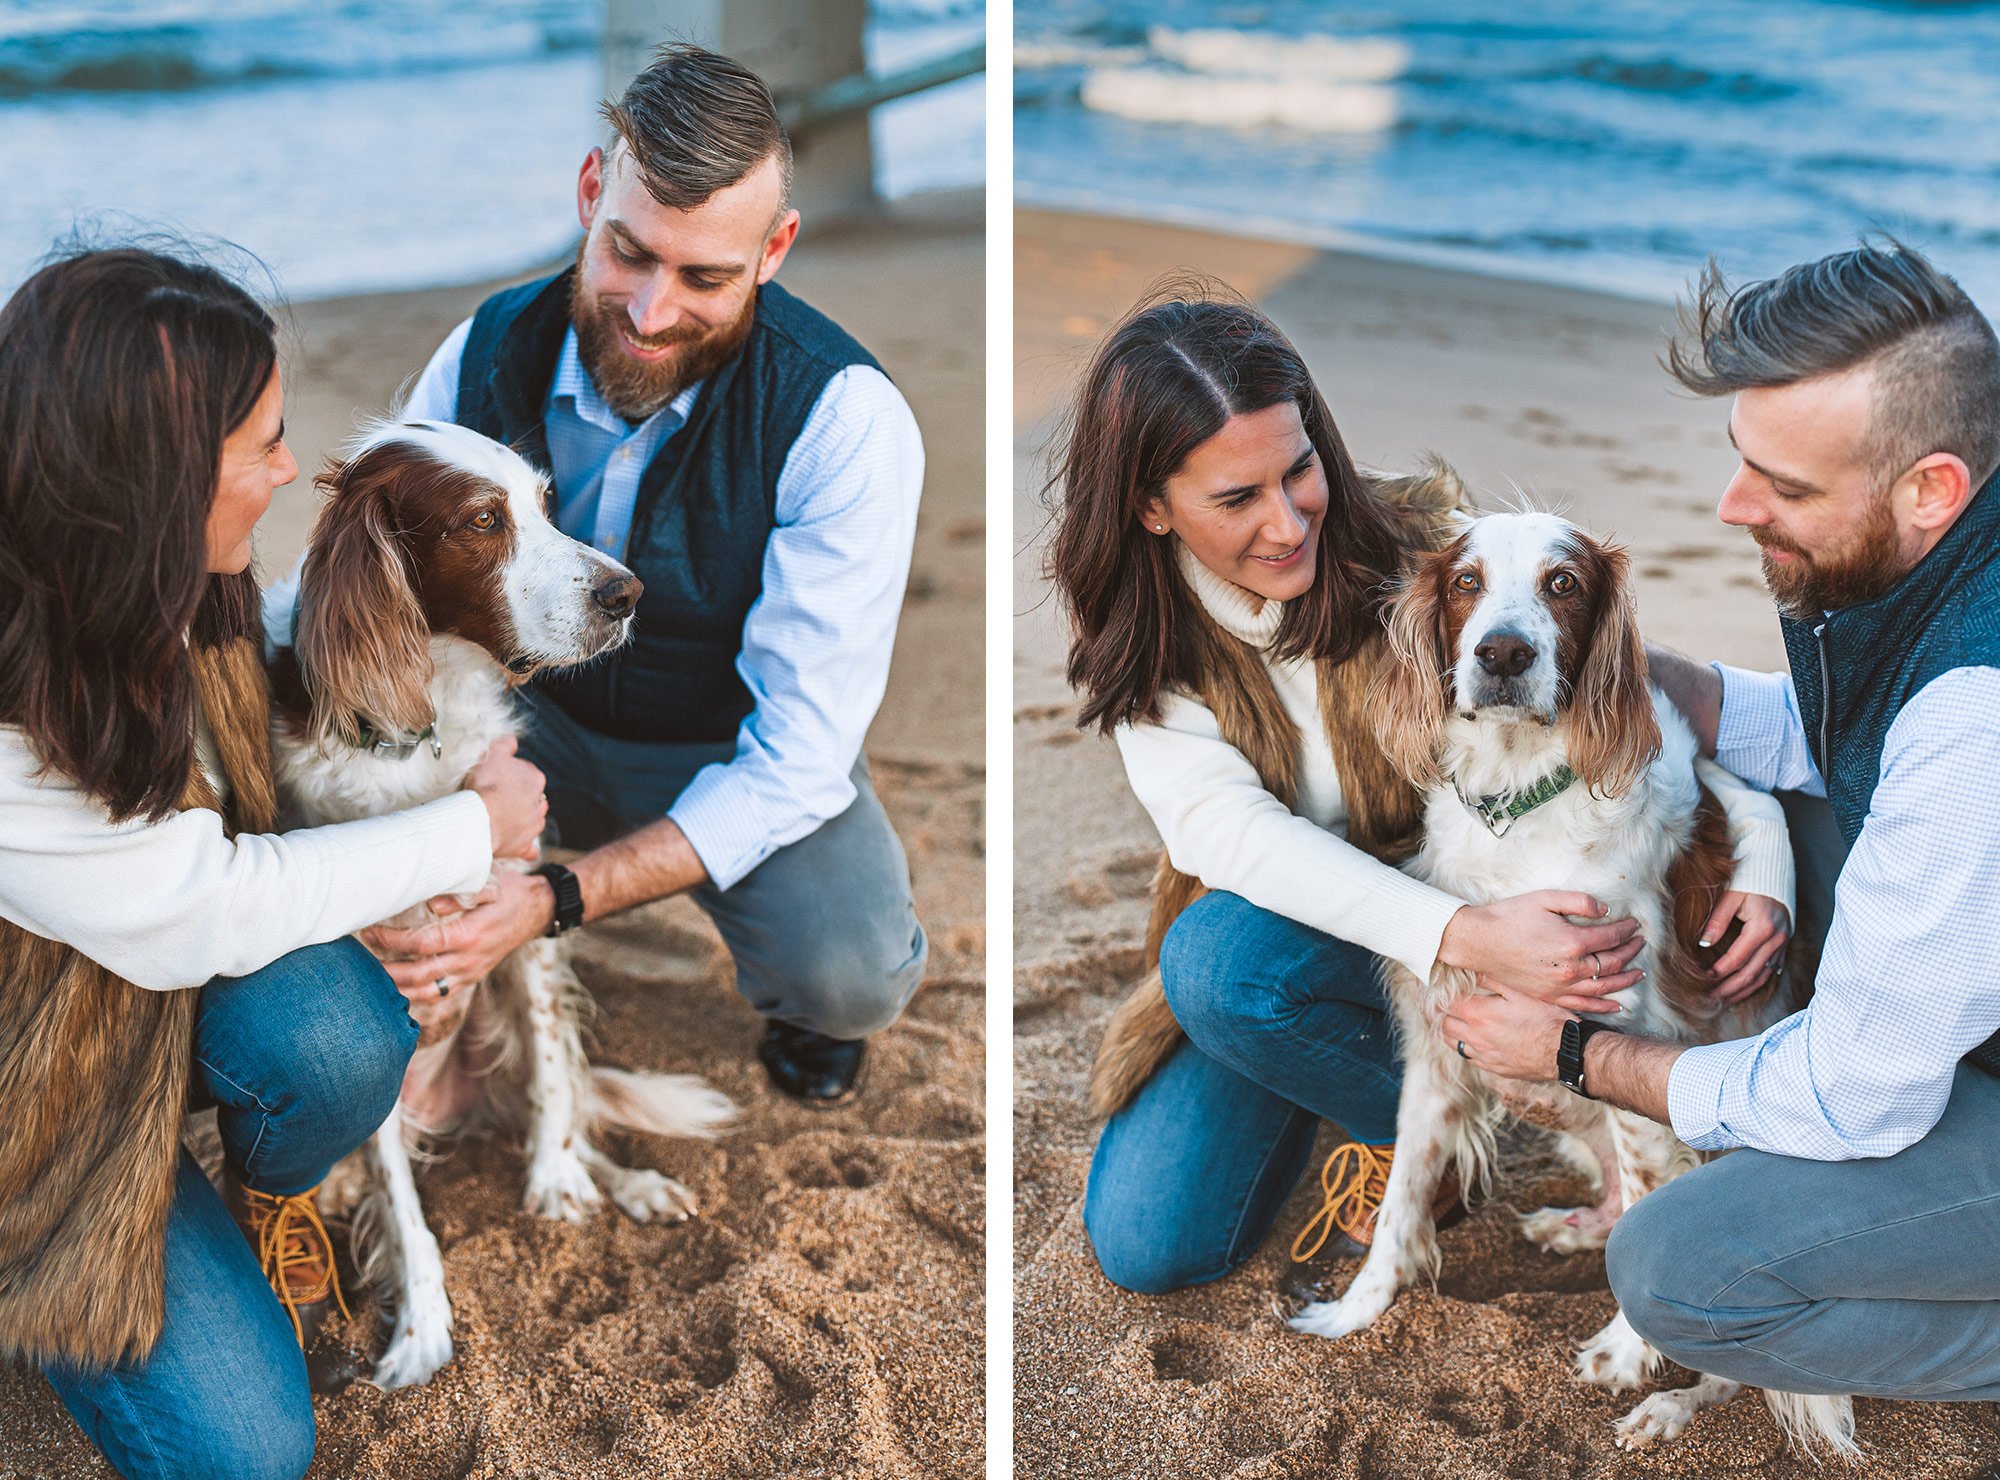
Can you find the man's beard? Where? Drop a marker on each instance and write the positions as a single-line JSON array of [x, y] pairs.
[[1808, 586], [632, 387]]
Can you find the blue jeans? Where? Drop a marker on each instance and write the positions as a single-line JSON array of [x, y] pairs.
[[303, 1061], [824, 933], [1286, 1027]]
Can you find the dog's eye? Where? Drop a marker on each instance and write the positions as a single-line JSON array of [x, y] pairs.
[[485, 519], [1465, 580], [1561, 583]]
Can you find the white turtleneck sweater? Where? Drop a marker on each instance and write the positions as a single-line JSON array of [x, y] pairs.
[[170, 904], [1220, 825]]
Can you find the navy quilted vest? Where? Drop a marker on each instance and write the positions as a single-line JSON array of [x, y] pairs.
[[1855, 671], [706, 507]]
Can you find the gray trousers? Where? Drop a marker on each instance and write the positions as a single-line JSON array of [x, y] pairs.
[[1877, 1277], [824, 933]]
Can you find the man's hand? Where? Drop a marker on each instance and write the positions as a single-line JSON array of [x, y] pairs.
[[465, 946], [1510, 1034], [1517, 1037], [1758, 952]]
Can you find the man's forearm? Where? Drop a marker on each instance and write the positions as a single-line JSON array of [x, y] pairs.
[[1630, 1072], [652, 863], [1695, 689]]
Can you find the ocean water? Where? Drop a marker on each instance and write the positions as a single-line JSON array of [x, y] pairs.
[[366, 145], [1604, 143]]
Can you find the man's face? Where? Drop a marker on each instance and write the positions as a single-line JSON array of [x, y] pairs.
[[1831, 534], [663, 296]]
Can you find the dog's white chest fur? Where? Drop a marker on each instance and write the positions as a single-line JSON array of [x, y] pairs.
[[340, 783], [1615, 849]]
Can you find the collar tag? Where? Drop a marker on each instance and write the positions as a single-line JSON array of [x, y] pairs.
[[376, 743], [1499, 810]]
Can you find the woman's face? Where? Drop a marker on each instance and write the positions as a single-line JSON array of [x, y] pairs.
[[255, 464], [1248, 503]]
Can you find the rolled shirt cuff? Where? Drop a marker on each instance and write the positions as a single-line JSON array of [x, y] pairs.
[[721, 826], [1694, 1094]]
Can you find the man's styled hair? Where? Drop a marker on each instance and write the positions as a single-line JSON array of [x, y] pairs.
[[1936, 362], [697, 122]]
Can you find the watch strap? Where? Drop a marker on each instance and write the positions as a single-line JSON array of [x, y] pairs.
[[569, 898], [1576, 1033]]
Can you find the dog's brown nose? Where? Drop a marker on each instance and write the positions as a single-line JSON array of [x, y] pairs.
[[617, 595], [1504, 654]]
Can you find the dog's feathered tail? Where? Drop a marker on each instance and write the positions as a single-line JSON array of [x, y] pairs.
[[1816, 1422], [658, 1104]]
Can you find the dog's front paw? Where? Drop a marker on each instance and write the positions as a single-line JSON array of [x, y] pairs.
[[1337, 1318], [1660, 1418], [1616, 1358], [1566, 1230], [644, 1194], [421, 1345], [559, 1186]]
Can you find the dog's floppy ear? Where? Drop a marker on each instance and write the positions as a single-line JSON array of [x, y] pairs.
[[362, 643], [1613, 733], [1409, 691]]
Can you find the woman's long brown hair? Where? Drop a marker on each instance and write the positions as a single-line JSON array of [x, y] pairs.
[[122, 371], [1186, 359]]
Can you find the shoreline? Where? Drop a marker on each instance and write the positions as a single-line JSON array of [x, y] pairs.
[[1278, 231]]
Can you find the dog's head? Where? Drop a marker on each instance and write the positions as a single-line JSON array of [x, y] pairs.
[[430, 528], [1522, 618]]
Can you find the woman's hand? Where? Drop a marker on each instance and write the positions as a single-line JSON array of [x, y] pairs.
[[512, 791], [1525, 944], [1758, 952], [435, 962]]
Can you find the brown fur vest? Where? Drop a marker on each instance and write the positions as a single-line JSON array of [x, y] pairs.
[[94, 1078], [1383, 809]]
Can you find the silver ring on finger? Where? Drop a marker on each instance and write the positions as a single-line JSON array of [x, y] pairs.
[[444, 986]]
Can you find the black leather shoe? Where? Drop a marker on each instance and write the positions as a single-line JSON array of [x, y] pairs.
[[810, 1067]]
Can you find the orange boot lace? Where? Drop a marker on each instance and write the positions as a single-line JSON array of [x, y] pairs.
[[1352, 1185], [294, 1249]]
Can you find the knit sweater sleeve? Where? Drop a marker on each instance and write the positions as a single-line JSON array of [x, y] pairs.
[[171, 904], [1763, 844], [1220, 825]]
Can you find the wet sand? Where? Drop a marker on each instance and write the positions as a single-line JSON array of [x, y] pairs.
[[1520, 386]]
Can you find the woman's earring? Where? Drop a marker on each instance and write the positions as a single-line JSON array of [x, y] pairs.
[[1161, 528]]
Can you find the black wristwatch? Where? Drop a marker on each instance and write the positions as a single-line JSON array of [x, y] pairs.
[[569, 898], [1569, 1056]]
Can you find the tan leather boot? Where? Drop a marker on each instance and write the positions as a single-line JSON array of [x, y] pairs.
[[296, 1254]]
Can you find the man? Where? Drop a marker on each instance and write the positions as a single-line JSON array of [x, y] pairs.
[[756, 469], [1855, 1248]]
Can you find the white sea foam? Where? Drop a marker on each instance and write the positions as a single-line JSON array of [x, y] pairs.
[[1159, 95], [1058, 52], [1245, 54]]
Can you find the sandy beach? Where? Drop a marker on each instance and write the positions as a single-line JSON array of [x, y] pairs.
[[1558, 395], [824, 1315]]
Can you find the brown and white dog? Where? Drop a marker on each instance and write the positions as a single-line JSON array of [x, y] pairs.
[[434, 582], [1516, 653]]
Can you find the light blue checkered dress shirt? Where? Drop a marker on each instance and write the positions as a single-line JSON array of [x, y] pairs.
[[1909, 981], [816, 643]]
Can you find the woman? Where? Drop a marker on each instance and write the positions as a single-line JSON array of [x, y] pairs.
[[160, 944], [1224, 567]]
